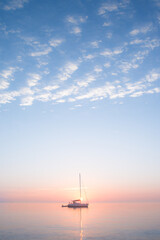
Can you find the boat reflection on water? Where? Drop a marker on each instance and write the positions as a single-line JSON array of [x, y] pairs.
[[80, 223], [81, 226]]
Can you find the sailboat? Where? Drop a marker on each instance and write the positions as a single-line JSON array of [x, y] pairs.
[[78, 202]]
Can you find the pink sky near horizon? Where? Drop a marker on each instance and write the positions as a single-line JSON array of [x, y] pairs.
[[93, 195]]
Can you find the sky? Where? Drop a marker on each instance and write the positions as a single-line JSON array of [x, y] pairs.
[[79, 92]]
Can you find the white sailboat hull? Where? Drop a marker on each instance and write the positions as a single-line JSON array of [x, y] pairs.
[[78, 205]]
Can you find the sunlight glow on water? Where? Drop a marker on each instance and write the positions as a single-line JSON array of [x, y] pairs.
[[48, 221]]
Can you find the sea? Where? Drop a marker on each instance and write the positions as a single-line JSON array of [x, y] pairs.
[[100, 221]]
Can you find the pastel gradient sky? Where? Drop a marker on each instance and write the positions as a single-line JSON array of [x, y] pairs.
[[79, 92]]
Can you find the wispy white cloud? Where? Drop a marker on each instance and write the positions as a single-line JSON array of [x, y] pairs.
[[8, 72], [33, 79], [25, 91], [75, 22], [146, 43], [153, 76], [106, 24], [76, 30], [44, 97], [65, 93], [153, 43], [72, 20], [61, 101], [41, 53], [144, 30], [6, 30], [95, 44], [108, 52], [55, 42], [67, 71], [107, 64], [117, 89], [107, 7], [97, 69], [137, 94], [3, 84], [86, 81], [98, 93], [89, 57], [6, 76], [112, 6], [8, 97], [76, 19], [15, 4], [126, 66], [80, 91], [51, 87], [109, 35], [134, 63], [137, 41], [27, 101]]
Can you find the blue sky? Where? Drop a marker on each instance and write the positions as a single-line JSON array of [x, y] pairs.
[[80, 91]]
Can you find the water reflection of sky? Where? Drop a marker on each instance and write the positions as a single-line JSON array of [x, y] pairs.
[[48, 221]]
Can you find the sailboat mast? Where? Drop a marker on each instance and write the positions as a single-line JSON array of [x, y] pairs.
[[80, 184]]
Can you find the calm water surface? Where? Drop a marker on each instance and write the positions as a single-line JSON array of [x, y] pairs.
[[48, 221]]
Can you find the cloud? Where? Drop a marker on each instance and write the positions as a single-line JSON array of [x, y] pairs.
[[143, 30], [61, 101], [8, 72], [109, 53], [107, 7], [72, 20], [76, 20], [95, 44], [89, 56], [7, 97], [152, 76], [80, 91], [97, 69], [87, 80], [107, 64], [106, 24], [76, 30], [109, 35], [44, 97], [153, 43], [41, 53], [65, 93], [146, 43], [67, 71], [25, 91], [98, 93], [3, 84], [134, 63], [27, 101], [137, 41], [75, 23], [137, 94], [55, 42], [126, 66], [6, 76], [33, 79], [112, 7], [51, 87], [15, 4]]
